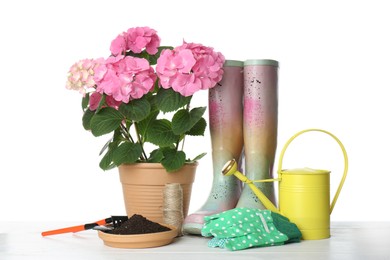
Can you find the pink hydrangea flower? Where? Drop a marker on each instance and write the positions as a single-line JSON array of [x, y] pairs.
[[119, 45], [95, 98], [80, 75], [136, 39], [142, 37], [189, 68], [208, 67], [124, 78]]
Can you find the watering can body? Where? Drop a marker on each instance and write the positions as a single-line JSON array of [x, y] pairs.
[[304, 193], [304, 196]]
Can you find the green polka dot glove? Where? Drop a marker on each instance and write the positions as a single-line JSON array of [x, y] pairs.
[[242, 228]]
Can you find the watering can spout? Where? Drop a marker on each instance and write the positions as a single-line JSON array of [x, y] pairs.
[[230, 168]]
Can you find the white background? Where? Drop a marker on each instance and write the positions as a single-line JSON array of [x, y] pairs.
[[334, 74]]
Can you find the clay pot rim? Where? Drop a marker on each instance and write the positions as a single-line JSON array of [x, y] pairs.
[[153, 165]]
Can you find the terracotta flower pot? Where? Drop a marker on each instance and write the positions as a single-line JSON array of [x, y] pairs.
[[143, 186]]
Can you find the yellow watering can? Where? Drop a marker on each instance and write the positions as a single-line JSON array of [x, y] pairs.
[[304, 194]]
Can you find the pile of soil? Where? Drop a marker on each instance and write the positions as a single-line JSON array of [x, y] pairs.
[[138, 224]]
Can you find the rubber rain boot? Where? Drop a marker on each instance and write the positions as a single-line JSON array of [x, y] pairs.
[[260, 128], [225, 120]]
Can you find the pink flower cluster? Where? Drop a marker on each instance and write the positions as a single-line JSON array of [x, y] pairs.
[[80, 75], [189, 68], [124, 78], [186, 69], [136, 39]]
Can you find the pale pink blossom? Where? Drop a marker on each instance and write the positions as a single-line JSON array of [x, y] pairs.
[[81, 74], [189, 68], [124, 78]]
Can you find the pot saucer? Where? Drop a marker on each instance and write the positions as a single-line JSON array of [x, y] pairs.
[[139, 240]]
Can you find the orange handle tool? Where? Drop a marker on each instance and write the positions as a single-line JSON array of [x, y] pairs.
[[76, 228]]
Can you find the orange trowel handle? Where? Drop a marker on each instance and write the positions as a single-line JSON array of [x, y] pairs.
[[76, 228]]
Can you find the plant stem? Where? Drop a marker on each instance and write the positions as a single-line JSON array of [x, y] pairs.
[[184, 137], [182, 144], [140, 141], [126, 134]]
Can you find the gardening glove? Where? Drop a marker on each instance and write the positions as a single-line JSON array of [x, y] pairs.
[[243, 228]]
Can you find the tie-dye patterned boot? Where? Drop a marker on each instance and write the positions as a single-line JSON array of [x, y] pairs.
[[225, 120], [260, 127]]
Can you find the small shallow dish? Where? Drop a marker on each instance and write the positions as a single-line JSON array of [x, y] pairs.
[[139, 240]]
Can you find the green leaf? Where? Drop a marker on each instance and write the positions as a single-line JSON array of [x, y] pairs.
[[113, 141], [85, 102], [167, 100], [144, 125], [160, 133], [173, 160], [106, 162], [88, 114], [136, 110], [127, 153], [105, 146], [198, 129], [118, 136], [156, 156], [106, 121], [183, 120], [197, 158], [142, 54]]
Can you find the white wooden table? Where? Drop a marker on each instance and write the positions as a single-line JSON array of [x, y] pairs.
[[350, 240]]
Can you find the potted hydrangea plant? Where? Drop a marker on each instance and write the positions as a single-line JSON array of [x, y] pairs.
[[141, 96]]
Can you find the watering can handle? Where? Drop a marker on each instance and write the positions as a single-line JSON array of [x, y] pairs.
[[342, 148]]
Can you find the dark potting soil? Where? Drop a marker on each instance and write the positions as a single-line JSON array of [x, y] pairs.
[[138, 224]]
